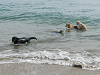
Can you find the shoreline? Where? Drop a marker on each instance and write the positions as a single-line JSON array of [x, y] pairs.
[[42, 69]]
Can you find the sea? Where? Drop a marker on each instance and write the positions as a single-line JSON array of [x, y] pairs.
[[41, 19]]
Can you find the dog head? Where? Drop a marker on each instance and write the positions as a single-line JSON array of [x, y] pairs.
[[61, 31], [68, 25], [78, 22], [15, 40]]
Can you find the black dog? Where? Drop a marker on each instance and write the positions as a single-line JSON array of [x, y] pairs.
[[23, 40]]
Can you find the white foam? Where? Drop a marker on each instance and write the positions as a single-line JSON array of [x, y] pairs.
[[53, 57]]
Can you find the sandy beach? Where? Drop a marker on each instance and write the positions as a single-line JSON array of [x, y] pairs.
[[42, 69]]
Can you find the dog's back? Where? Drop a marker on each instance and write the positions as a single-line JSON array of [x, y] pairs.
[[81, 26]]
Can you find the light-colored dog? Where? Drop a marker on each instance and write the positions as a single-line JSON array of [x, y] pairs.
[[81, 26]]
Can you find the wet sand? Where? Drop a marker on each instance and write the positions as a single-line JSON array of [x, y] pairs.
[[42, 69]]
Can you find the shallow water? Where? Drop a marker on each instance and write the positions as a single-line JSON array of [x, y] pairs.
[[40, 19]]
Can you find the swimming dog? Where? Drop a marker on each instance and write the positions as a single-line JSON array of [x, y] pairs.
[[70, 26], [61, 31], [23, 40], [81, 26]]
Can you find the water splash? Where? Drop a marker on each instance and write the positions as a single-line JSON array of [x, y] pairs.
[[58, 57]]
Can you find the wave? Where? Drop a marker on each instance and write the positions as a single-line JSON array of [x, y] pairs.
[[54, 56]]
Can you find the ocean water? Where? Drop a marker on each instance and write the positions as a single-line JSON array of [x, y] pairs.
[[40, 18]]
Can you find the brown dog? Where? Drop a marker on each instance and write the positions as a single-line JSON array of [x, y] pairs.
[[70, 26], [61, 31]]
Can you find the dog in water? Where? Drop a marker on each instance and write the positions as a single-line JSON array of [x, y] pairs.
[[23, 40], [61, 31], [70, 26], [79, 26]]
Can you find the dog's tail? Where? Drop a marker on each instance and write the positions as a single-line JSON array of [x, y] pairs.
[[32, 38]]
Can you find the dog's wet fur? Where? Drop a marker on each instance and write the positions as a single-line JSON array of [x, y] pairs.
[[23, 40]]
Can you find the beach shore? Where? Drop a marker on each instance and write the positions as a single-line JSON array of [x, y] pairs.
[[42, 69]]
